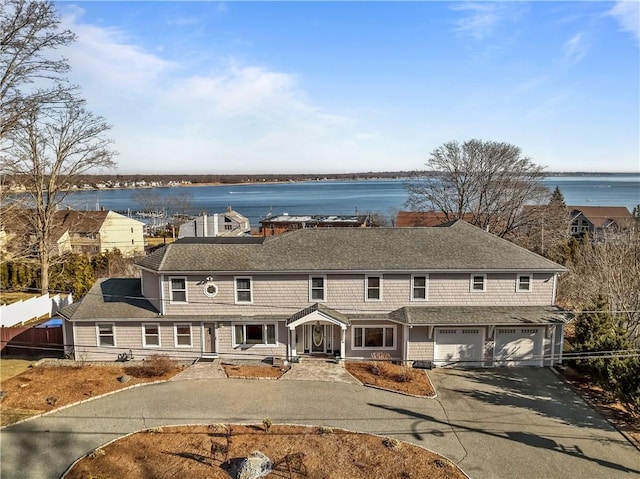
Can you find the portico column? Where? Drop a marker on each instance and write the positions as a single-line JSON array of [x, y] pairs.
[[342, 343], [294, 340]]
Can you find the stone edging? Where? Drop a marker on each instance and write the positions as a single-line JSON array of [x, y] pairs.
[[577, 392], [435, 393], [68, 470]]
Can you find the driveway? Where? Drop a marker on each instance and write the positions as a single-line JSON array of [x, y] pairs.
[[502, 423]]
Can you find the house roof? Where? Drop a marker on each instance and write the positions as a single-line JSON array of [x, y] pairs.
[[81, 221], [424, 218], [599, 216], [316, 219], [321, 308], [113, 298], [456, 247], [493, 315]]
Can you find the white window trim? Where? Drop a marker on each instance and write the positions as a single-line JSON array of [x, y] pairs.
[[175, 335], [264, 332], [374, 348], [366, 288], [426, 287], [144, 336], [484, 283], [113, 331], [518, 290], [324, 288], [235, 289], [186, 294]]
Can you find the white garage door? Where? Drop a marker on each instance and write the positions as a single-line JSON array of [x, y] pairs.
[[518, 347], [459, 347]]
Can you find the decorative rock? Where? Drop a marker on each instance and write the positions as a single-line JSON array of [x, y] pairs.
[[51, 400], [255, 466], [3, 394], [124, 378]]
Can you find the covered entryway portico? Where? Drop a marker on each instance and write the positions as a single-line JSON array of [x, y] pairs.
[[314, 326]]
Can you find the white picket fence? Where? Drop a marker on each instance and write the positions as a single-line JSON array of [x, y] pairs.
[[21, 311]]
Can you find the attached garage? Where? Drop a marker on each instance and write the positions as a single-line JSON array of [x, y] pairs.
[[518, 346], [459, 347]]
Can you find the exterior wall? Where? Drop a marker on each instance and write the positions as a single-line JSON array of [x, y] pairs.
[[283, 294], [395, 353], [151, 288], [420, 347], [128, 336], [226, 349], [123, 233]]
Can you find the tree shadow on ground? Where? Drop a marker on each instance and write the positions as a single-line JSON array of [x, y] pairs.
[[536, 389], [533, 440]]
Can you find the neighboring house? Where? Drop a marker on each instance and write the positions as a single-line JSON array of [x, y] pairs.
[[596, 220], [409, 219], [229, 223], [448, 295], [93, 232], [274, 225]]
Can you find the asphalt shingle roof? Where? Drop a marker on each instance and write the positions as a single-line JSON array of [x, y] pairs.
[[114, 298], [495, 315], [459, 246]]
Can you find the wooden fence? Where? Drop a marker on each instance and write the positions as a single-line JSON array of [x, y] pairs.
[[30, 341]]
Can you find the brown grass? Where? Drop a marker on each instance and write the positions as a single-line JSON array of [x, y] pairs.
[[44, 388], [315, 453], [12, 367], [392, 377]]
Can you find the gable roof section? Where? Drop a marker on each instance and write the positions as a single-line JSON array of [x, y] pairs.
[[456, 247], [600, 216], [113, 298], [493, 315]]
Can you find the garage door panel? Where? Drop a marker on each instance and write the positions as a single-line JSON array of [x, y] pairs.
[[459, 346], [518, 346]]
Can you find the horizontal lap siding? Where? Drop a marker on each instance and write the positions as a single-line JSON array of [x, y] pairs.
[[151, 289], [128, 336], [454, 290], [420, 345], [286, 294]]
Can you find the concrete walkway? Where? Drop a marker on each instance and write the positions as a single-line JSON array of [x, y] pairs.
[[202, 370], [319, 370]]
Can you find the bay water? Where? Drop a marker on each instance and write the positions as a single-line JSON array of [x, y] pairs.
[[343, 197]]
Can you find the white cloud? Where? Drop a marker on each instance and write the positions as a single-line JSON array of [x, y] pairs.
[[480, 20], [238, 117], [575, 48], [627, 13]]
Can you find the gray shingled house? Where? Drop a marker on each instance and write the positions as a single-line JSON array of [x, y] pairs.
[[451, 295]]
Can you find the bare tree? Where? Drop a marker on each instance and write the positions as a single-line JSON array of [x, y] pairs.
[[486, 182], [29, 75], [50, 148], [609, 269]]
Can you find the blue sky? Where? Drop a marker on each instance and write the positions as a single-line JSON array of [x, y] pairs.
[[272, 87]]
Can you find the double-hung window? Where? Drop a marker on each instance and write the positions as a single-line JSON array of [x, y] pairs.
[[178, 290], [373, 337], [317, 288], [419, 287], [106, 334], [183, 335], [524, 283], [243, 289], [254, 334], [478, 283], [151, 335], [373, 288]]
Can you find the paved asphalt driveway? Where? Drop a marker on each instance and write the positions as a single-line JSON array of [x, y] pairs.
[[500, 423]]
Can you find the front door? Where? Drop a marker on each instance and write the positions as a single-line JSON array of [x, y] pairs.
[[209, 338], [318, 338]]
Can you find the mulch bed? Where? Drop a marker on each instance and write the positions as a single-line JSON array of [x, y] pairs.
[[392, 377]]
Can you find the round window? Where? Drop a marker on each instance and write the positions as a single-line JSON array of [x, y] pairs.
[[210, 290]]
